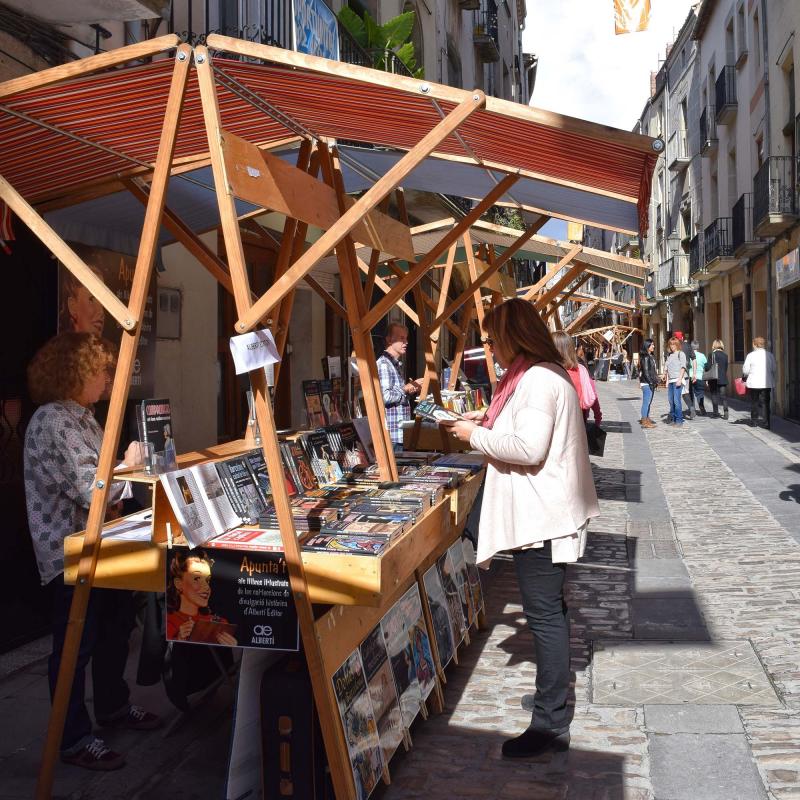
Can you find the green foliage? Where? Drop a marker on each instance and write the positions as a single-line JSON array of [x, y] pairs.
[[379, 40], [508, 217]]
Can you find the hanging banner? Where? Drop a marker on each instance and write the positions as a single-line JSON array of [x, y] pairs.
[[631, 16], [315, 29], [787, 269]]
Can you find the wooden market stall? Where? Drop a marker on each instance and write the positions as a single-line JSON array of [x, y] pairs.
[[267, 123]]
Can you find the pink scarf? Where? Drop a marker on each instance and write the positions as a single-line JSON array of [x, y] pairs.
[[505, 389]]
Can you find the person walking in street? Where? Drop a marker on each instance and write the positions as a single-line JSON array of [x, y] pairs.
[[675, 372], [579, 375], [698, 382], [648, 380], [538, 499], [66, 377], [717, 365], [396, 390], [758, 371], [690, 358]]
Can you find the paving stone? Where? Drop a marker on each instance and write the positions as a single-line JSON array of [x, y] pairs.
[[704, 718], [668, 613]]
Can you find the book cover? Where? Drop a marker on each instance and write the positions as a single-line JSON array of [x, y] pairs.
[[401, 658], [322, 457], [248, 539], [429, 410], [313, 401], [255, 460], [361, 424], [240, 485], [358, 722], [456, 552], [352, 544], [382, 692], [338, 398], [354, 453], [474, 581], [302, 465], [329, 405], [444, 565], [410, 608], [440, 616], [155, 427]]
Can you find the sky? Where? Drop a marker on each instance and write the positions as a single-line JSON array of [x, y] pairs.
[[587, 71]]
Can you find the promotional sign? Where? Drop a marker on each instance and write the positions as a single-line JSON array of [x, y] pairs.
[[230, 598], [314, 29], [79, 311], [253, 350], [787, 269]]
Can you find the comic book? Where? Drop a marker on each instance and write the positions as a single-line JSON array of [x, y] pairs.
[[456, 551], [444, 565], [442, 624]]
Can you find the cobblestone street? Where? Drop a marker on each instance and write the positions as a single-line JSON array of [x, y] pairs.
[[685, 641]]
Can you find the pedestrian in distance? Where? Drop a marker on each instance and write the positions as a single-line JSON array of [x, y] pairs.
[[690, 358], [538, 499], [675, 374], [396, 390], [579, 375], [758, 371], [648, 380], [717, 364], [698, 382]]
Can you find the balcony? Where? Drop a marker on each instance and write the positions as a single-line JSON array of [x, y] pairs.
[[484, 33], [745, 243], [649, 297], [697, 265], [725, 95], [708, 132], [678, 151], [718, 241], [674, 275], [775, 195]]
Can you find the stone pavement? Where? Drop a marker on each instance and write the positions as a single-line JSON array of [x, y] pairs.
[[685, 646]]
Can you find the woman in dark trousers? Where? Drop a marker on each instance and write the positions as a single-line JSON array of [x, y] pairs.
[[648, 380], [718, 387]]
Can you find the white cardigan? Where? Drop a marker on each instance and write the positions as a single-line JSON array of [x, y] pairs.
[[539, 482], [759, 369]]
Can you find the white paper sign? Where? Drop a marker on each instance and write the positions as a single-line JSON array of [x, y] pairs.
[[253, 350]]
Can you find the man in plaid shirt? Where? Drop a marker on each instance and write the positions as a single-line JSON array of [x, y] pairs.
[[395, 389]]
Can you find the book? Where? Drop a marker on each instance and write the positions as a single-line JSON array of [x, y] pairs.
[[241, 486], [429, 410], [353, 544], [155, 428], [361, 425], [207, 629], [200, 503], [367, 524], [401, 658], [358, 722], [302, 466], [382, 692], [456, 552], [313, 401], [474, 462], [353, 452], [321, 456], [440, 616], [444, 566], [474, 583], [248, 539], [329, 405]]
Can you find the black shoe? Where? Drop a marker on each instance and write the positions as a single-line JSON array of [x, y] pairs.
[[534, 742], [724, 415]]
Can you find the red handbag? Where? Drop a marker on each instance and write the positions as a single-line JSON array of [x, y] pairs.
[[740, 386]]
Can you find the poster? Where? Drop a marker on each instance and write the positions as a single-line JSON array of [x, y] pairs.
[[79, 311], [787, 269], [230, 598]]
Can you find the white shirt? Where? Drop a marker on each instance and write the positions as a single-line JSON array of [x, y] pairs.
[[759, 369]]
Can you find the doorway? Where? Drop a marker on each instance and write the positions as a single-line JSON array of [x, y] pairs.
[[793, 353]]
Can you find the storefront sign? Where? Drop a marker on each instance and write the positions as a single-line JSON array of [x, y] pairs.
[[232, 598], [314, 29], [787, 269]]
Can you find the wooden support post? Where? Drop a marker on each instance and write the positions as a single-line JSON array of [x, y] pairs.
[[532, 291], [327, 709], [420, 269], [585, 315], [326, 296], [108, 450], [458, 356], [361, 207], [568, 294], [569, 275], [479, 313]]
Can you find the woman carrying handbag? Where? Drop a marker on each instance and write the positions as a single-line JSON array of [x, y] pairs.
[[716, 376]]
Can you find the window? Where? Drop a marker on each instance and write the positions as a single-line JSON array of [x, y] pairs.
[[756, 42], [738, 328], [741, 35]]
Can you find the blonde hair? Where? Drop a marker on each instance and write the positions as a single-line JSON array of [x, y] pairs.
[[759, 341], [674, 341], [517, 324], [718, 345], [566, 349], [64, 364]]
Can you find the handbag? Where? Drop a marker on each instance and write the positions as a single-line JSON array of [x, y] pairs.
[[740, 387], [596, 439], [711, 371]]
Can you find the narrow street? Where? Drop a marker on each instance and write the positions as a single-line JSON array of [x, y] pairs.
[[685, 630]]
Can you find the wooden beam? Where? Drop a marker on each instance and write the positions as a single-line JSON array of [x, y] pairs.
[[586, 314], [532, 291], [568, 294], [114, 423], [571, 272], [361, 207], [90, 64], [444, 290], [479, 312], [66, 255], [329, 299], [419, 269]]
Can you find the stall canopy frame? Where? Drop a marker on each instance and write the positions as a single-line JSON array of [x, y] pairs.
[[163, 119]]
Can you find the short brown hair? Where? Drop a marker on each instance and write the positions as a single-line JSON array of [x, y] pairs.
[[517, 324], [566, 349], [759, 341], [63, 365]]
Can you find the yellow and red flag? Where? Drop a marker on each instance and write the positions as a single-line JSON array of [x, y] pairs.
[[631, 16]]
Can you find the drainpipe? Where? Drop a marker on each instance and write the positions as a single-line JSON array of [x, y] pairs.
[[768, 136]]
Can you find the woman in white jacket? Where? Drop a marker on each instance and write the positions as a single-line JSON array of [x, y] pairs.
[[538, 499], [759, 372]]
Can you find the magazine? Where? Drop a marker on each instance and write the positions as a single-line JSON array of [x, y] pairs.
[[429, 410], [442, 625], [382, 692], [155, 428], [456, 552], [199, 501], [358, 721], [444, 565], [401, 657], [410, 606]]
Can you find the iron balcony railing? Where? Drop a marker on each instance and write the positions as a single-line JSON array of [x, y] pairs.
[[708, 129], [775, 188], [719, 239], [696, 261], [725, 93], [485, 36], [742, 216]]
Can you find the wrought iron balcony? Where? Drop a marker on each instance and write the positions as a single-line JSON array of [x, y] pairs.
[[697, 263], [776, 195], [745, 243], [718, 239], [708, 131], [678, 151], [725, 95], [484, 32]]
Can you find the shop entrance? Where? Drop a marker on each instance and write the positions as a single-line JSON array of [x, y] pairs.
[[793, 351]]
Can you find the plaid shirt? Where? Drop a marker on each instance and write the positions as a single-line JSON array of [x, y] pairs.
[[395, 399]]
